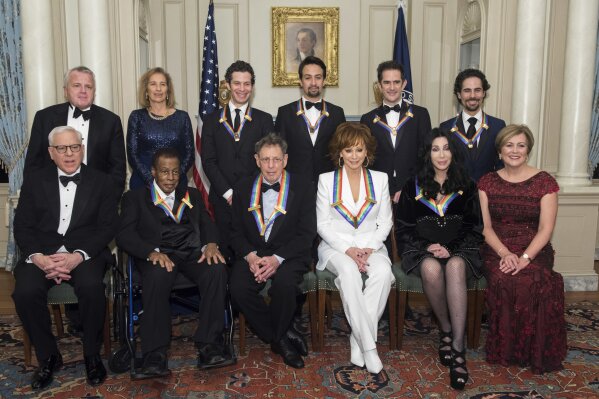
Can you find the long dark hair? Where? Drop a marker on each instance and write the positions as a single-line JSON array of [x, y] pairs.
[[457, 178]]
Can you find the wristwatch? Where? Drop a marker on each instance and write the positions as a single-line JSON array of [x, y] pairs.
[[525, 256]]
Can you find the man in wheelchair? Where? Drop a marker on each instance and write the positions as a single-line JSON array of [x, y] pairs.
[[167, 229]]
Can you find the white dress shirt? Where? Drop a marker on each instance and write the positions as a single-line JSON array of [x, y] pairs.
[[82, 126]]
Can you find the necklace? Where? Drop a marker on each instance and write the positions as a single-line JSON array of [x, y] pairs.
[[158, 117]]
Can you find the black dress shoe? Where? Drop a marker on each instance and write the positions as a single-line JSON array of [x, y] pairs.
[[288, 352], [298, 341], [43, 376], [213, 356], [155, 364], [95, 370]]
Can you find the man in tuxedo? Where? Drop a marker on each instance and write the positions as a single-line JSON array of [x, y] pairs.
[[228, 138], [274, 224], [67, 215], [102, 134], [101, 129], [399, 127], [474, 131], [309, 123], [168, 230]]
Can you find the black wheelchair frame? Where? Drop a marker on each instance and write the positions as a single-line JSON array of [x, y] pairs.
[[125, 316]]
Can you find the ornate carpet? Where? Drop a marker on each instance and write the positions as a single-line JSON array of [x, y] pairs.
[[413, 372]]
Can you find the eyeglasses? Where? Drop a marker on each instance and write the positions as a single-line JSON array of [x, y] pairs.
[[61, 149], [276, 161]]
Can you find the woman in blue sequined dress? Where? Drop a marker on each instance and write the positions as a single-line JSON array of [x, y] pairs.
[[157, 125]]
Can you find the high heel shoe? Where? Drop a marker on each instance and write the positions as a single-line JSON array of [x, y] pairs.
[[445, 354], [458, 379]]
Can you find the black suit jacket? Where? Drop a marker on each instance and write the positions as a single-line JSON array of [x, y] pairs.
[[105, 146], [140, 231], [93, 223], [292, 233], [305, 158], [480, 160], [402, 159], [226, 161]]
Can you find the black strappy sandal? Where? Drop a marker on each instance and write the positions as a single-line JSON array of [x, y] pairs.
[[458, 379], [445, 354]]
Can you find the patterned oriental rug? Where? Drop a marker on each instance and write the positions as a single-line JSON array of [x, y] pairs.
[[413, 372]]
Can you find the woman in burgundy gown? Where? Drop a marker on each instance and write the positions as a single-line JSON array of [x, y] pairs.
[[525, 297]]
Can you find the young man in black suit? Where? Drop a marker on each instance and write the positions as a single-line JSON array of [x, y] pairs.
[[274, 224], [67, 215], [476, 143], [228, 138], [308, 124], [399, 127], [168, 230], [101, 129]]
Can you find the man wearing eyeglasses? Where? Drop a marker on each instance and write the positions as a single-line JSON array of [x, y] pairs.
[[67, 215], [168, 230], [274, 224], [101, 130]]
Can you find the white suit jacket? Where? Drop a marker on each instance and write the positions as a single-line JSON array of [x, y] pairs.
[[336, 232]]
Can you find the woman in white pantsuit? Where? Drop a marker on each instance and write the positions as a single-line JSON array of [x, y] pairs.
[[354, 219]]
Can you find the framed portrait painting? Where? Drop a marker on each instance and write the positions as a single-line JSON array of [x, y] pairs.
[[298, 32]]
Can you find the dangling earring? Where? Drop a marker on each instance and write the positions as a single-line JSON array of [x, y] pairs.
[[340, 162], [147, 95], [367, 162], [500, 157], [167, 97]]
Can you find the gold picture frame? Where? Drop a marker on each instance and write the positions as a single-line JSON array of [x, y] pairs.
[[319, 27]]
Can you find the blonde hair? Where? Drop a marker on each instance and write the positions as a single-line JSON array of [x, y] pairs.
[[512, 130], [142, 90]]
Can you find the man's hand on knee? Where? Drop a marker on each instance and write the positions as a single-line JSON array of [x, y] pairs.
[[162, 259], [212, 254], [268, 267]]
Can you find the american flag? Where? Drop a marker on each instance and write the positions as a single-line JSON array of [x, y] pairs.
[[401, 50], [208, 100]]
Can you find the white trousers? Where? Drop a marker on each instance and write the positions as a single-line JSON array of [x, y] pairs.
[[363, 308]]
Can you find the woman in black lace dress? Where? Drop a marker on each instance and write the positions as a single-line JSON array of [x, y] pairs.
[[439, 231]]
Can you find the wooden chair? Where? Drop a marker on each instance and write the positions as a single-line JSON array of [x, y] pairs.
[[326, 286], [308, 286], [63, 294]]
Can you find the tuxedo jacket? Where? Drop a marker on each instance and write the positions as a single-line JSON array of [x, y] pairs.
[[140, 230], [483, 158], [398, 162], [226, 161], [93, 222], [105, 143], [305, 158], [292, 233], [336, 232]]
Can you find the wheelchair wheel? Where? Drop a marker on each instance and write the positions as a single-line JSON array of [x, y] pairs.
[[120, 360]]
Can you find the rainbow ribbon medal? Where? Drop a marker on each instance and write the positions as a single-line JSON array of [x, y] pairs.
[[279, 207], [438, 207], [338, 201], [463, 138], [323, 114], [161, 203], [236, 135], [393, 130]]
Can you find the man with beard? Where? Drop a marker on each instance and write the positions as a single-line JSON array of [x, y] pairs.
[[308, 124], [473, 130]]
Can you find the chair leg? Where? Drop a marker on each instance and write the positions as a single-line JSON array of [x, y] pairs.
[[392, 302], [27, 348], [401, 316], [329, 309], [470, 315], [480, 302], [107, 348], [313, 309], [241, 334], [58, 320], [321, 305]]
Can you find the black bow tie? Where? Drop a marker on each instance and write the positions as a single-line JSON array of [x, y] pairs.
[[388, 109], [76, 178], [266, 187], [310, 104], [86, 114]]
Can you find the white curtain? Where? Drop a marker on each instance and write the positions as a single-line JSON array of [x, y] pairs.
[[13, 125]]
